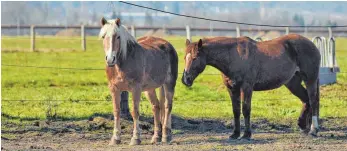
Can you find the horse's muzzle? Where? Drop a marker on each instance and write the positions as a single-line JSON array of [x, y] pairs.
[[111, 63], [186, 79]]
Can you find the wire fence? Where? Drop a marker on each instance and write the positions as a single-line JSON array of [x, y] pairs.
[[73, 68], [106, 100], [101, 69]]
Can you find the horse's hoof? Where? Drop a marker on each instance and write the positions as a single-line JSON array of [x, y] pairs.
[[304, 131], [246, 136], [166, 139], [155, 140], [134, 141], [234, 135], [313, 133], [114, 142]]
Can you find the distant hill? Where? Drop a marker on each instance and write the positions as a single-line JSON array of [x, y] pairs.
[[89, 12]]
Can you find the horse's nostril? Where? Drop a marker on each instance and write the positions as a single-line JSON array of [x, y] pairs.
[[105, 57], [114, 58]]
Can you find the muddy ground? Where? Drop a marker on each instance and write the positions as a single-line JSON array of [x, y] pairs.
[[191, 134]]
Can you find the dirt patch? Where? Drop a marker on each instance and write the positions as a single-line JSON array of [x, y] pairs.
[[94, 133]]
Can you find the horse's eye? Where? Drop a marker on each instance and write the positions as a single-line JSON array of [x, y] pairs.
[[103, 37], [118, 37]]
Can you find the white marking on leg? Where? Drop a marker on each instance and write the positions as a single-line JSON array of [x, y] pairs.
[[314, 122], [117, 129], [137, 130]]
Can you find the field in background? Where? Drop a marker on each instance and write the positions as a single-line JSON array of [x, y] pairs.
[[85, 93]]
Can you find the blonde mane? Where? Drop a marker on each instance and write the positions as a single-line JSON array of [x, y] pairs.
[[110, 28]]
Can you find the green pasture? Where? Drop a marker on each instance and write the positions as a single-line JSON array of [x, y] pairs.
[[85, 93]]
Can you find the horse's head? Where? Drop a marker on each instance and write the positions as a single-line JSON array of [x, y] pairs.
[[195, 62], [115, 39]]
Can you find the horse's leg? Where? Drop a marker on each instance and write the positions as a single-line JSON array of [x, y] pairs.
[[116, 113], [169, 93], [246, 94], [151, 95], [135, 140], [313, 94], [295, 87], [162, 105], [235, 98]]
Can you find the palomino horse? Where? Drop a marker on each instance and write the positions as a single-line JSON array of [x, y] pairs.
[[137, 66], [249, 66]]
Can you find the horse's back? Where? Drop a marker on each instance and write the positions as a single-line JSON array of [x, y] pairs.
[[280, 58], [161, 58]]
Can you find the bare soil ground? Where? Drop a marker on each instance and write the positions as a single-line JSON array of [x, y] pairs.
[[191, 134]]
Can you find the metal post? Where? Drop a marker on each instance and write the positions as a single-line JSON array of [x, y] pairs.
[[305, 33], [83, 38], [188, 33], [287, 30], [133, 31], [330, 32], [124, 105], [238, 34], [32, 37], [332, 51]]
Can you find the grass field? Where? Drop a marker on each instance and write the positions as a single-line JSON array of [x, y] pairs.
[[69, 99], [207, 98]]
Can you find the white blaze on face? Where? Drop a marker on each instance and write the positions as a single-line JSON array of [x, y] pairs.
[[109, 53], [188, 62], [314, 122]]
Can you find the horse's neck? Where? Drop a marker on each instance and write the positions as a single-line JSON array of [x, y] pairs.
[[129, 59], [220, 59]]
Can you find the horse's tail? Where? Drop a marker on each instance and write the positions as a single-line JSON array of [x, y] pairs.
[[318, 96], [173, 62], [306, 55]]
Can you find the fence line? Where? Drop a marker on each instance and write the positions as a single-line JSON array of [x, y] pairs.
[[72, 68], [33, 29]]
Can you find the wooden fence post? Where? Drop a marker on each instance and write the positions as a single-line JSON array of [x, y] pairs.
[[124, 105], [305, 32], [32, 38], [330, 32], [238, 34], [211, 29], [133, 31], [189, 37], [287, 30], [83, 38]]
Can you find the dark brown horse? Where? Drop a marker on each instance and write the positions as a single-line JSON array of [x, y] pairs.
[[249, 66], [137, 66]]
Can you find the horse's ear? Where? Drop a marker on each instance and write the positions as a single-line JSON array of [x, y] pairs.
[[103, 21], [187, 42], [200, 43], [118, 22]]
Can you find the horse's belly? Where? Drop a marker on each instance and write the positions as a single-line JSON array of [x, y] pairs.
[[275, 80], [269, 85]]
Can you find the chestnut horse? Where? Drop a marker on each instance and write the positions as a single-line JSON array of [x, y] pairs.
[[137, 66], [249, 66]]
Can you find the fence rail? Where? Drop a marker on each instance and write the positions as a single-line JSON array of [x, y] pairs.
[[242, 29], [187, 29]]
